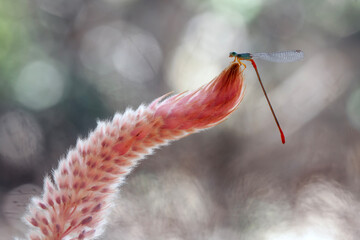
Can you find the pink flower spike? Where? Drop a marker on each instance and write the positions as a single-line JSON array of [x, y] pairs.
[[78, 197]]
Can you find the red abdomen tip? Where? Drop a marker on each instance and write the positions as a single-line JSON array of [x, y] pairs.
[[282, 136]]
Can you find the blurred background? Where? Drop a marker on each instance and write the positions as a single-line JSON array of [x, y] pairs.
[[64, 64]]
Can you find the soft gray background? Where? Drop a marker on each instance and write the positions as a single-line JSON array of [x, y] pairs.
[[66, 63]]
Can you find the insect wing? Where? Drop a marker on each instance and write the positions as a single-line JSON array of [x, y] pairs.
[[286, 56]]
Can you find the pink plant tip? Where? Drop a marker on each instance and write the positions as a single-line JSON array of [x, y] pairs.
[[78, 196]]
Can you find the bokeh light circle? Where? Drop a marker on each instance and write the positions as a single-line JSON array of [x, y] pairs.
[[39, 86], [15, 204], [20, 137], [201, 57], [123, 48]]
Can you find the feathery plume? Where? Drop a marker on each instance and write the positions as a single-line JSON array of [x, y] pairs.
[[78, 196]]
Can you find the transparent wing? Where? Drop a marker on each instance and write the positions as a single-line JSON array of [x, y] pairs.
[[286, 56]]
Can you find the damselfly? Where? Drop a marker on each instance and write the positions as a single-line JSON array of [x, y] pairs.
[[286, 56]]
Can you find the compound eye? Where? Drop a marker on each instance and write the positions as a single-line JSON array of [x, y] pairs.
[[232, 54]]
